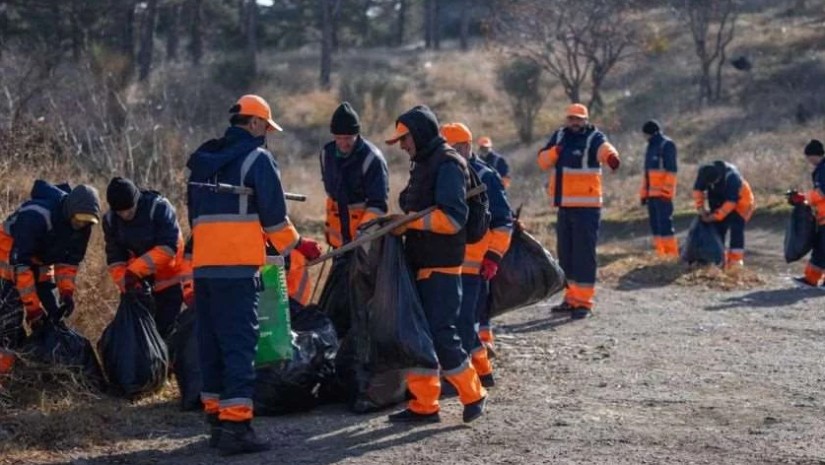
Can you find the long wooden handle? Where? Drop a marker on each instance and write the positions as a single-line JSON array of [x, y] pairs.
[[383, 230]]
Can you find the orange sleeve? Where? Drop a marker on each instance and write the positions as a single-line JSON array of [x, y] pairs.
[[547, 158], [505, 181], [499, 240], [437, 222], [283, 236], [117, 271], [724, 210], [148, 263], [26, 287], [607, 152], [65, 275]]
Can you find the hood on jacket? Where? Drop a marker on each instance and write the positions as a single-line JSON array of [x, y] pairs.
[[423, 126], [42, 190], [215, 154]]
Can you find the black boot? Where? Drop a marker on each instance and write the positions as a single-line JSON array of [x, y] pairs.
[[474, 410], [214, 429], [408, 416], [563, 307], [238, 437], [487, 380], [580, 313]]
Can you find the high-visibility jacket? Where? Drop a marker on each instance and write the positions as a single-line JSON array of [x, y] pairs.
[[150, 245], [575, 160], [497, 240], [499, 164], [730, 193], [357, 187], [38, 240], [816, 196], [227, 228], [659, 180]]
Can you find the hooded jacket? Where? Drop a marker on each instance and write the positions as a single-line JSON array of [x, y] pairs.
[[38, 241], [438, 176], [229, 230], [727, 191]]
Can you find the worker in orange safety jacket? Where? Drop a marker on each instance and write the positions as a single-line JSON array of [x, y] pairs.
[[574, 156], [659, 188]]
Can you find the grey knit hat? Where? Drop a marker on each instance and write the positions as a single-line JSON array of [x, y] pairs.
[[83, 203]]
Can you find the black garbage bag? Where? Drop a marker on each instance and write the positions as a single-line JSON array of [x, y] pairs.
[[185, 359], [527, 274], [334, 299], [703, 244], [135, 358], [55, 343], [389, 332], [800, 233], [295, 385]]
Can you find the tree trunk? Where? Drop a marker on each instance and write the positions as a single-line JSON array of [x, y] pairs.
[[428, 23], [436, 32], [596, 103], [76, 28], [252, 35], [326, 43], [195, 33], [4, 25], [402, 20], [365, 22], [172, 33], [466, 7], [147, 40], [336, 14], [705, 88]]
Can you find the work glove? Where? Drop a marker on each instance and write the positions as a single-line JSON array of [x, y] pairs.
[[795, 198], [489, 268], [309, 248], [400, 230], [189, 299], [35, 315], [67, 307], [613, 162], [132, 282], [643, 202], [707, 217]]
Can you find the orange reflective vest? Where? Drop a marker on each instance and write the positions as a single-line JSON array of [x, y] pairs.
[[659, 180], [574, 160], [816, 196]]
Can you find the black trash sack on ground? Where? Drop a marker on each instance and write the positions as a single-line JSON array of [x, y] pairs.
[[55, 343], [703, 244], [185, 359], [800, 233], [527, 274], [389, 332], [135, 358], [334, 299], [295, 385]]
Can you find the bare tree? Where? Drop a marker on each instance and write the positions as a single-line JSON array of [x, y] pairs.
[[147, 40], [172, 14], [252, 35], [578, 42], [195, 30], [712, 25], [326, 42], [466, 7], [431, 25], [401, 22]]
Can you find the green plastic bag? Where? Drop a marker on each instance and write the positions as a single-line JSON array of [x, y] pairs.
[[275, 337]]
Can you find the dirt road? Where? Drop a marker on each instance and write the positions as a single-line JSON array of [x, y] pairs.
[[665, 373]]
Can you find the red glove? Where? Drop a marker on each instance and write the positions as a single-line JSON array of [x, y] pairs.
[[132, 281], [489, 268], [309, 248], [795, 198], [189, 299], [613, 162], [35, 315]]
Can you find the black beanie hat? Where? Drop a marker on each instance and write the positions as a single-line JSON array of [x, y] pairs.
[[814, 147], [651, 127], [345, 121], [122, 194]]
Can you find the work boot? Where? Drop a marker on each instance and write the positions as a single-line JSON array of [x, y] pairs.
[[563, 307], [580, 313], [238, 437], [474, 410], [214, 429], [487, 380], [803, 282], [408, 416]]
